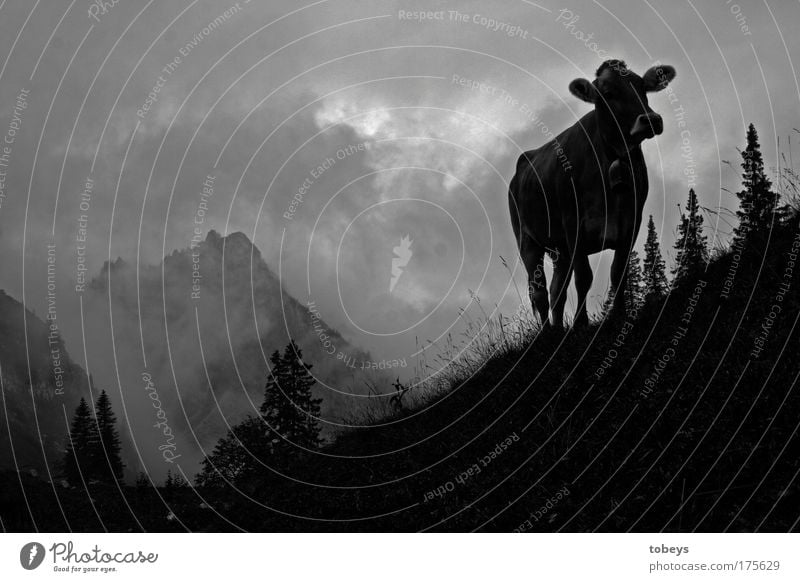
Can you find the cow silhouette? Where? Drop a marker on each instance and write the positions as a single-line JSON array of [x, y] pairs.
[[584, 190]]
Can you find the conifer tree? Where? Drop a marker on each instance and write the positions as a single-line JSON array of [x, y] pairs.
[[175, 481], [78, 455], [757, 202], [142, 482], [178, 482], [108, 461], [635, 282], [287, 424], [244, 450], [289, 407], [655, 278], [634, 290], [691, 243]]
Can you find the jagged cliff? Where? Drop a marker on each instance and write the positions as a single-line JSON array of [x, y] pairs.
[[39, 384]]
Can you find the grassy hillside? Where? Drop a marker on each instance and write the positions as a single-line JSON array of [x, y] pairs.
[[672, 420]]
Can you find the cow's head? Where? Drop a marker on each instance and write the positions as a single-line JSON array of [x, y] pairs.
[[620, 98]]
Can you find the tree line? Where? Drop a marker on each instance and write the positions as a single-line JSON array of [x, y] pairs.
[[759, 211], [288, 420]]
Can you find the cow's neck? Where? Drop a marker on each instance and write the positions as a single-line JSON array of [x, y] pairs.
[[615, 148]]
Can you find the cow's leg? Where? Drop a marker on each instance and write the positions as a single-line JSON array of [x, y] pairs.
[[583, 282], [619, 276], [533, 257], [562, 273]]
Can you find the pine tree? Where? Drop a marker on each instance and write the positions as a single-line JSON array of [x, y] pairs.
[[175, 481], [757, 203], [289, 407], [178, 482], [635, 280], [108, 461], [634, 290], [655, 278], [78, 455], [287, 425], [245, 449], [142, 481], [691, 244]]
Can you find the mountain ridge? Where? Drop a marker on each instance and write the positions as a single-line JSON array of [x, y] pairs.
[[33, 362], [211, 314]]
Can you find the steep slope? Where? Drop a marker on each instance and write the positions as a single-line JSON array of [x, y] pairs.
[[39, 384], [683, 418]]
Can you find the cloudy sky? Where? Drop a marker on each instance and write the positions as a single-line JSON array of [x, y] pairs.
[[332, 130]]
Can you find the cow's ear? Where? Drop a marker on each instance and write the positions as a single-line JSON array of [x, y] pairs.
[[583, 90], [658, 77]]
